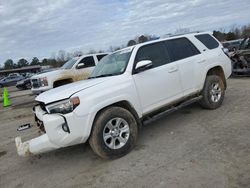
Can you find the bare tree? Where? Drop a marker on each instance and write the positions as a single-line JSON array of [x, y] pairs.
[[180, 31]]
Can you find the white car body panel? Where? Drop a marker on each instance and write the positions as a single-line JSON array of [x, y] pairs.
[[157, 95]]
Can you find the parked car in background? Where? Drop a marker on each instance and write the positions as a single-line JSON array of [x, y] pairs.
[[14, 74], [125, 89], [25, 83], [78, 68], [27, 74], [10, 80]]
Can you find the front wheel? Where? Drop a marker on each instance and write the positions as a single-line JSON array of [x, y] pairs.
[[114, 133], [213, 92]]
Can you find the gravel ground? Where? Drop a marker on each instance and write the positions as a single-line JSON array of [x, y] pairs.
[[189, 148]]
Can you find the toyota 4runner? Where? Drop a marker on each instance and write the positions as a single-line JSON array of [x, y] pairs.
[[126, 88]]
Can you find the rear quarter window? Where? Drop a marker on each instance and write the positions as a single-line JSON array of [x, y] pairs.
[[208, 41]]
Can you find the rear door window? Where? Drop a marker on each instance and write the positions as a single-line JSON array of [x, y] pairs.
[[208, 41], [155, 52], [180, 48]]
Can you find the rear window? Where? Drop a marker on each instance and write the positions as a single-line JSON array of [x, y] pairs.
[[208, 41], [180, 48]]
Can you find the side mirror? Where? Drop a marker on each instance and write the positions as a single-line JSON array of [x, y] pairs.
[[80, 65], [143, 65]]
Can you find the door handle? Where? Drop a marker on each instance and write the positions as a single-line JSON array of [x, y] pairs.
[[172, 69], [202, 61]]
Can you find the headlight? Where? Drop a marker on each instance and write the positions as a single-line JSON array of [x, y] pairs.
[[63, 107], [43, 81]]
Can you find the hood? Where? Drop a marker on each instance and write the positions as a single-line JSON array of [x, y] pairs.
[[64, 92], [50, 73]]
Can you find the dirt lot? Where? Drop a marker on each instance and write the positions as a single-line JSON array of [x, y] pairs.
[[189, 148]]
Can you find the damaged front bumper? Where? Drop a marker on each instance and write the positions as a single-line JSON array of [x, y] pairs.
[[59, 131], [37, 145]]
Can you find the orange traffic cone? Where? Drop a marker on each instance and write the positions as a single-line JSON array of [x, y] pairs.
[[6, 101]]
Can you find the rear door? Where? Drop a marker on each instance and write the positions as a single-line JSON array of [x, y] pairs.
[[160, 84], [188, 58], [9, 81]]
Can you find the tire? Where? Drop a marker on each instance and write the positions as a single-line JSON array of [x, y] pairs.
[[213, 92], [105, 122]]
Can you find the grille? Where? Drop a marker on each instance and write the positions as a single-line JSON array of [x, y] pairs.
[[35, 83]]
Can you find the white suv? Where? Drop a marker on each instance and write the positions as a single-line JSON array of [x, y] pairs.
[[78, 68], [127, 87]]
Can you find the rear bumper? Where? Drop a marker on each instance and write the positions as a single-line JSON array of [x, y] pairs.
[[55, 136]]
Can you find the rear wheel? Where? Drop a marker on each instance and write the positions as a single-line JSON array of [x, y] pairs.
[[213, 92], [114, 133]]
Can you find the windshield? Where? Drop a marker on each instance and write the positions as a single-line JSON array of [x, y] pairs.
[[113, 64], [69, 64]]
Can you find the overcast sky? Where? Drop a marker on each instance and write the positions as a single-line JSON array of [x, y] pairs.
[[31, 28]]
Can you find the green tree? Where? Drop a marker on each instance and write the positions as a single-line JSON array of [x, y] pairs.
[[230, 36], [221, 36], [45, 61], [142, 39], [35, 61], [22, 63], [245, 31], [9, 64], [131, 43]]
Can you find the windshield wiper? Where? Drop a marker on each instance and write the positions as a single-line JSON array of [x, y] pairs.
[[103, 75]]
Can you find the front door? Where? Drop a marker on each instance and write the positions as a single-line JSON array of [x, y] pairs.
[[160, 84]]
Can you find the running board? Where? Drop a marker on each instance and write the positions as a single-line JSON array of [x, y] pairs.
[[171, 109]]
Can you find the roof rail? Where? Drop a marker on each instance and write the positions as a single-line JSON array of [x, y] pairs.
[[174, 35]]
